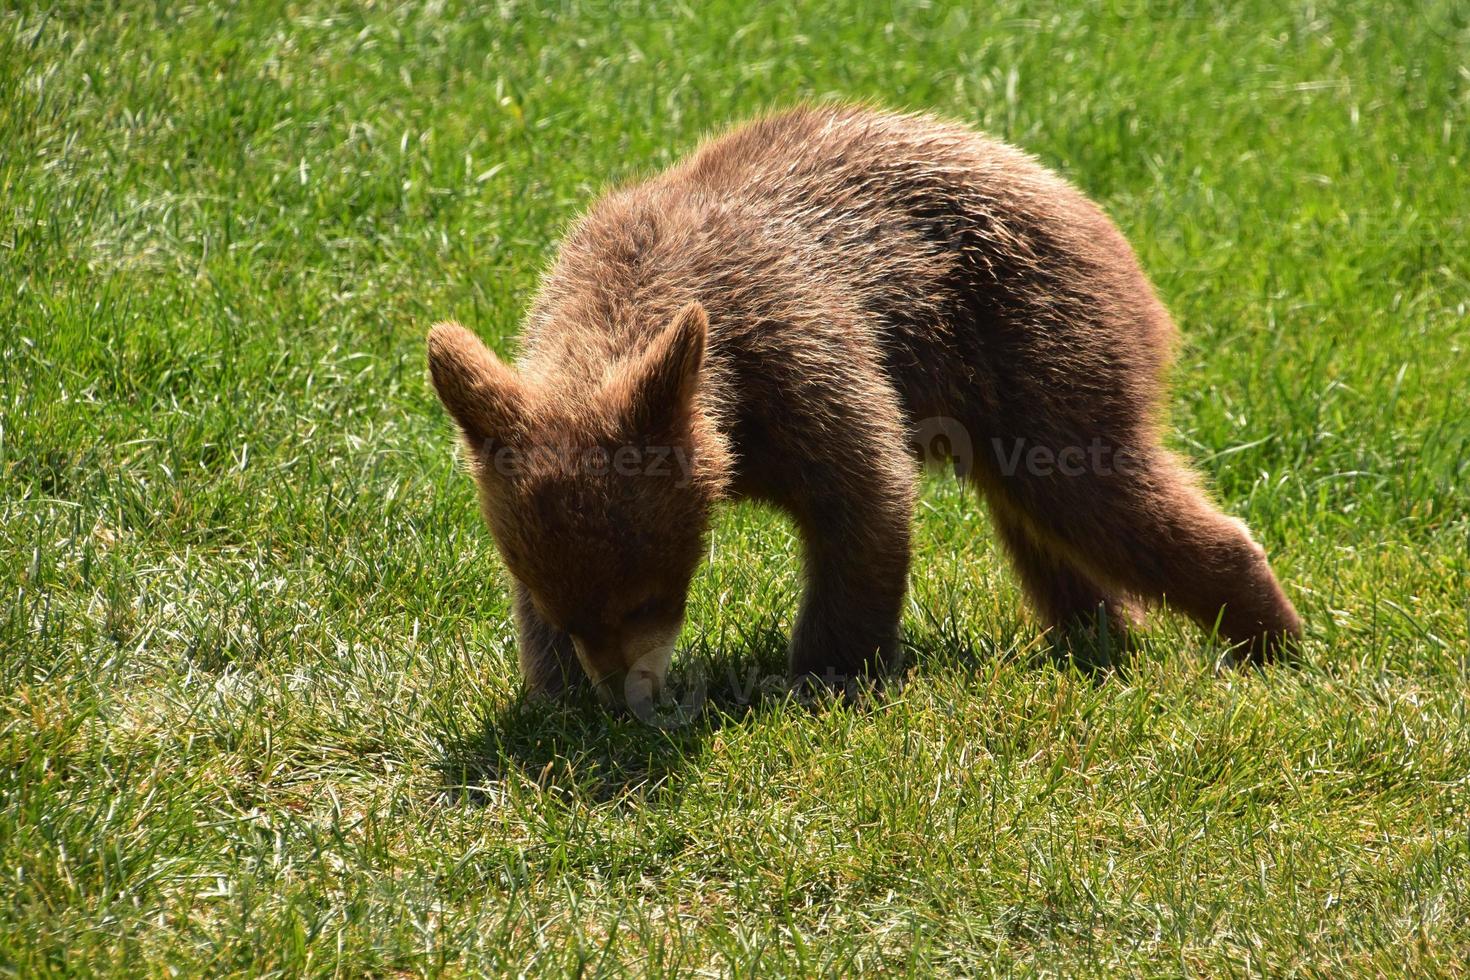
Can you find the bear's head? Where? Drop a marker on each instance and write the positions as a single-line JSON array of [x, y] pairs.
[[598, 492]]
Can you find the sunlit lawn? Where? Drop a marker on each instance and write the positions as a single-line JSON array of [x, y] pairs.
[[258, 703]]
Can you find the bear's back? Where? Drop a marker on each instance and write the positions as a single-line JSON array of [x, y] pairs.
[[939, 238]]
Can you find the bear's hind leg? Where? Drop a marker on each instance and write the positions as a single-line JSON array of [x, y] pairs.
[[1152, 532], [1069, 601]]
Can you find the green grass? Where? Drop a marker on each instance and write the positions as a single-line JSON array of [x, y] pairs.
[[258, 704]]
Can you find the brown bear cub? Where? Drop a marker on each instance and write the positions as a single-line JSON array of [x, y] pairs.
[[789, 315]]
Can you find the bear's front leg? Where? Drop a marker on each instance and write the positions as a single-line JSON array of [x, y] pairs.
[[857, 561], [548, 662]]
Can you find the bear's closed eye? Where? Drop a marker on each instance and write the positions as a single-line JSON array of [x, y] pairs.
[[643, 610]]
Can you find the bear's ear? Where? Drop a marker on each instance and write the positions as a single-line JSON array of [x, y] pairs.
[[659, 388], [483, 394]]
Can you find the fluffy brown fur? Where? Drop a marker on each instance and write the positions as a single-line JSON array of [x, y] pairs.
[[784, 309]]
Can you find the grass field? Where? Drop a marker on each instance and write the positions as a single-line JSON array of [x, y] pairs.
[[258, 704]]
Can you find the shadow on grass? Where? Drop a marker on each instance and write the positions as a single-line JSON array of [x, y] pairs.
[[1097, 655], [574, 745], [1098, 651]]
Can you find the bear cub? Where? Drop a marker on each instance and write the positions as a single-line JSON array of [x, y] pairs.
[[789, 315]]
